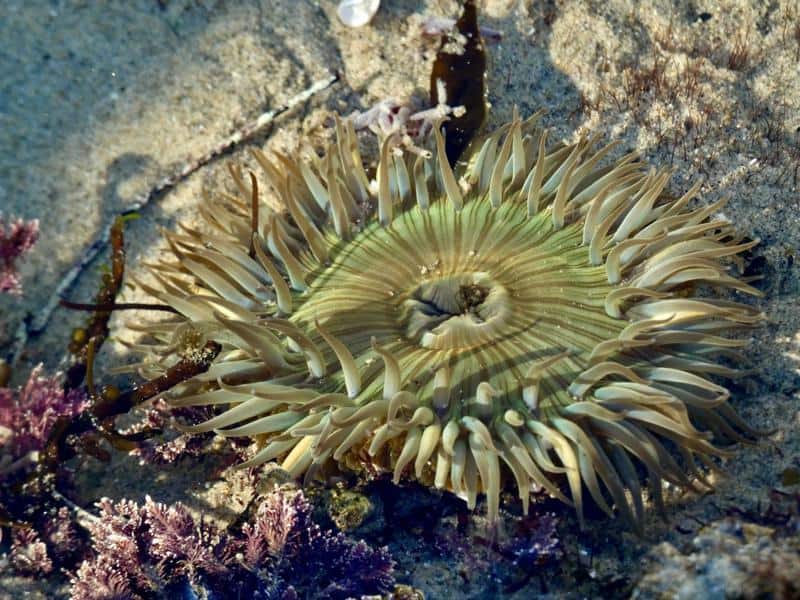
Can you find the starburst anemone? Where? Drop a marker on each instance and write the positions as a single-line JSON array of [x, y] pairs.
[[537, 316]]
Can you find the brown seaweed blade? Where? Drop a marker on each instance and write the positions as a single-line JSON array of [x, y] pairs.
[[460, 72], [96, 328]]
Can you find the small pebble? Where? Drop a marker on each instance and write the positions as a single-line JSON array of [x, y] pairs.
[[357, 13]]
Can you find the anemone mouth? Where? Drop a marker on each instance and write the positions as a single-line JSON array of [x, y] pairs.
[[530, 318], [457, 312]]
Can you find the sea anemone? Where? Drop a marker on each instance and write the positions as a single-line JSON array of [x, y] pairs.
[[536, 315]]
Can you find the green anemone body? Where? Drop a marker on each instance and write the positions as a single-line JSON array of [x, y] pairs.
[[528, 319], [405, 285]]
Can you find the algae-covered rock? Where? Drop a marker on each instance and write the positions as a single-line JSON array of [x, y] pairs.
[[400, 592], [349, 509], [406, 592], [727, 559]]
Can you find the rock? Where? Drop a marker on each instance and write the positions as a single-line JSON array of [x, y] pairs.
[[349, 509], [727, 559]]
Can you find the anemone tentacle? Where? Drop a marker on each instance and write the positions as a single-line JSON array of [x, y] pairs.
[[530, 316]]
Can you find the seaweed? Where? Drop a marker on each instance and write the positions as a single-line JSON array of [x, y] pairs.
[[68, 432], [155, 550], [96, 330], [17, 237], [458, 79]]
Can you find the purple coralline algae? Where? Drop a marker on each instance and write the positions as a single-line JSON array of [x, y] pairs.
[[16, 238], [170, 447], [27, 416], [155, 550]]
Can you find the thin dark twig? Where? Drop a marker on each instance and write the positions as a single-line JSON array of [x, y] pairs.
[[111, 306], [253, 214]]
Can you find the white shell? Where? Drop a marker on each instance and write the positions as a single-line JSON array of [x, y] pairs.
[[357, 13]]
